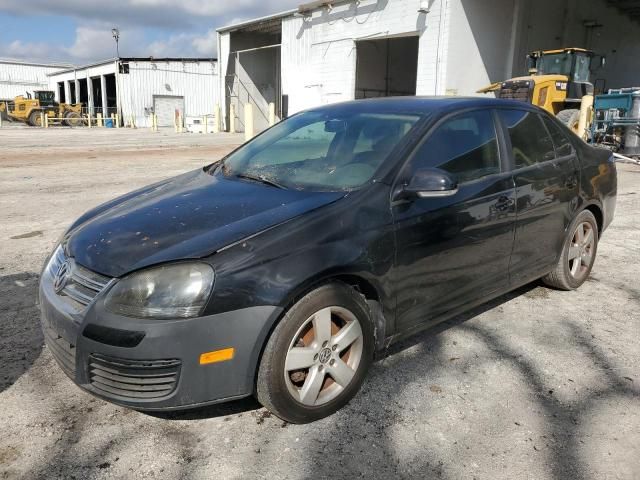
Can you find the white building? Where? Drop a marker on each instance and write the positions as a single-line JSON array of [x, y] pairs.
[[330, 51], [136, 87], [19, 77]]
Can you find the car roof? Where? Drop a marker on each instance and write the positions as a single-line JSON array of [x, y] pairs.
[[422, 105]]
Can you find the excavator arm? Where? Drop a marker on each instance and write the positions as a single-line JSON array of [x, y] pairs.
[[494, 87]]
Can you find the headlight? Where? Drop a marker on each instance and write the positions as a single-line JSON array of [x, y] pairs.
[[173, 291]]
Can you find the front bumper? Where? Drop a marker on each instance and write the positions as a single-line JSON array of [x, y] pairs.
[[153, 364]]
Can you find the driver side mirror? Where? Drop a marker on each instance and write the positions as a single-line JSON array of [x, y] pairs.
[[430, 182]]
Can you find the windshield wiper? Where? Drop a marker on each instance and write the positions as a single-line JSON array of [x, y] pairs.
[[261, 179]]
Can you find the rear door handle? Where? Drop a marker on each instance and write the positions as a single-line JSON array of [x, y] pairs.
[[571, 182]]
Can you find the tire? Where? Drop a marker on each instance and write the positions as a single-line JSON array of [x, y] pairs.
[[567, 274], [34, 119], [309, 393], [571, 118], [73, 119]]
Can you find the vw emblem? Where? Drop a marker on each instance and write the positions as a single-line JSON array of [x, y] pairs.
[[325, 355], [63, 274]]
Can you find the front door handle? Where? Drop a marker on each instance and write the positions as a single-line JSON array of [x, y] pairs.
[[504, 203]]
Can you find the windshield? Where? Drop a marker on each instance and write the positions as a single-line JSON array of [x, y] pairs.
[[321, 151], [555, 63], [583, 63], [45, 96]]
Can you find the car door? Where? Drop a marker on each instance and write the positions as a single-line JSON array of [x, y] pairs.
[[453, 250], [546, 180]]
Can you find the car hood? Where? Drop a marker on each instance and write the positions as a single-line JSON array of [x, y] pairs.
[[190, 216]]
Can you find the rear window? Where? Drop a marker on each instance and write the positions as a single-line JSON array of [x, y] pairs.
[[530, 141], [560, 140]]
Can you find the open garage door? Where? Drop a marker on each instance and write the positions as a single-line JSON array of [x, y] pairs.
[[165, 107], [386, 67]]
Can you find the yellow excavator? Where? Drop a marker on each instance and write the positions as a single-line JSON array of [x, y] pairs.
[[558, 82], [29, 109]]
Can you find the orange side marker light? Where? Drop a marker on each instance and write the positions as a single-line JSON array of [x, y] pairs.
[[217, 356]]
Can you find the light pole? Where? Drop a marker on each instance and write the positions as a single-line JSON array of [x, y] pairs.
[[116, 35]]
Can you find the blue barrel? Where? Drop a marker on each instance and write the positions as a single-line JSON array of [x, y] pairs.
[[108, 123]]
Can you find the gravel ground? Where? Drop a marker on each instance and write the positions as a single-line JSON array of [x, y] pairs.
[[538, 384]]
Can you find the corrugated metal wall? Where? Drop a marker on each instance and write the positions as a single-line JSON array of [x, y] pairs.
[[18, 78], [197, 82]]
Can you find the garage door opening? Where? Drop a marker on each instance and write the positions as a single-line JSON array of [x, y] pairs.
[[72, 92], [61, 93], [253, 73], [166, 108], [110, 81], [386, 67]]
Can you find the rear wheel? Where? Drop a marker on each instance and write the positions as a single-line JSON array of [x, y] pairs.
[[317, 356], [578, 254], [571, 118], [35, 118]]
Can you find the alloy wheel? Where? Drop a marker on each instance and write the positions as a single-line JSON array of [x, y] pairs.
[[323, 356], [581, 251]]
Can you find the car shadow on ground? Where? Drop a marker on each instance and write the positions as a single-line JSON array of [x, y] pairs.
[[21, 339]]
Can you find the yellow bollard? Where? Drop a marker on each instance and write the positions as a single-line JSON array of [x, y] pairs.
[[272, 114], [232, 118], [585, 113], [99, 119], [42, 119], [89, 120], [46, 121], [248, 121], [216, 118]]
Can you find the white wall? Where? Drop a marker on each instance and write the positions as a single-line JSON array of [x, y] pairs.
[[18, 78], [319, 54], [479, 44], [197, 82]]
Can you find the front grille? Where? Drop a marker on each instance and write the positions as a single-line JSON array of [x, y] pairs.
[[134, 379], [63, 352], [82, 285], [516, 90]]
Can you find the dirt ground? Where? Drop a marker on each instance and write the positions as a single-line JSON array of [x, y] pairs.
[[538, 384]]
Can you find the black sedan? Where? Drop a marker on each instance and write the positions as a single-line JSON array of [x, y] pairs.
[[283, 269]]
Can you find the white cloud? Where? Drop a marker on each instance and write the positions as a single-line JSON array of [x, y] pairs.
[[180, 29]]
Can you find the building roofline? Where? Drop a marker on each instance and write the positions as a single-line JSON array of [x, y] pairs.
[[17, 61], [266, 18], [133, 59]]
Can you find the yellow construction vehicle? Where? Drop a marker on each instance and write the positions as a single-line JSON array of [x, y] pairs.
[[30, 110], [558, 81]]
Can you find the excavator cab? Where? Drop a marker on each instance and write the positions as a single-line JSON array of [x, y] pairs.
[[45, 97], [558, 82], [572, 63]]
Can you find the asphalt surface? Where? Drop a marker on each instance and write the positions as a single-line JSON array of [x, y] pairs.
[[538, 384]]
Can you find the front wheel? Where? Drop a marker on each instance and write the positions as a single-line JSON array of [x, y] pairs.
[[317, 356], [571, 118], [578, 254]]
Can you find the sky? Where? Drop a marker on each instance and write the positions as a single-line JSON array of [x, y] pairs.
[[79, 31]]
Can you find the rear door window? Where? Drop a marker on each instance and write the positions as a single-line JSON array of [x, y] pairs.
[[530, 142], [560, 140], [464, 145]]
